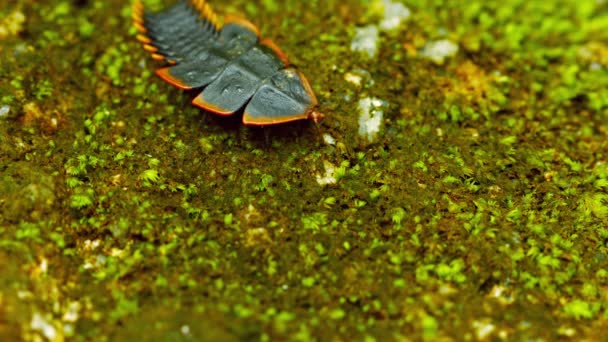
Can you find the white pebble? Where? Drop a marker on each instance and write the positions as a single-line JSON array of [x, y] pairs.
[[366, 40], [394, 14], [4, 110], [483, 329], [328, 139], [41, 325], [71, 314], [329, 177], [185, 330], [439, 50], [353, 78], [370, 117]]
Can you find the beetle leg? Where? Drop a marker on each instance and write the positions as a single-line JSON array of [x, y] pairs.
[[266, 131]]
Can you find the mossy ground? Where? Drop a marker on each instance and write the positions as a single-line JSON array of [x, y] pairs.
[[481, 212]]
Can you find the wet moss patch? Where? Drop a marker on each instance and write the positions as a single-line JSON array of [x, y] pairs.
[[478, 211]]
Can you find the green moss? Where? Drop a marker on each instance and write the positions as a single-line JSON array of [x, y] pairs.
[[578, 309], [486, 189], [79, 201], [149, 176]]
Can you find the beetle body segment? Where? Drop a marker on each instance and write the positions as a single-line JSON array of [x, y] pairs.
[[235, 69]]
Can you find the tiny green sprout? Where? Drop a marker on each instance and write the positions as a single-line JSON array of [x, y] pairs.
[[161, 281], [509, 140], [337, 314], [574, 165], [124, 307], [429, 326], [73, 182], [242, 311], [149, 176], [153, 162], [27, 231], [398, 215], [399, 283], [471, 185], [514, 215], [16, 82], [228, 219], [548, 260], [578, 309], [308, 281], [394, 259], [79, 201], [206, 144], [596, 203], [449, 179], [341, 170], [86, 29], [421, 166], [44, 89], [315, 221], [374, 194], [589, 290], [346, 245], [265, 182], [119, 157], [180, 145], [455, 114], [601, 183], [100, 115], [62, 9], [271, 5], [329, 201]]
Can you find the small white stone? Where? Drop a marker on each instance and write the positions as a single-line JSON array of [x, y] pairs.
[[24, 295], [4, 110], [439, 50], [359, 78], [370, 117], [366, 40], [328, 139], [497, 291], [71, 314], [394, 14], [41, 325], [185, 330], [483, 329], [353, 78], [252, 212], [20, 50], [100, 260], [68, 329], [44, 265], [329, 177]]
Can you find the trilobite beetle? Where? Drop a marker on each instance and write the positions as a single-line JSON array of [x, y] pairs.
[[234, 67]]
